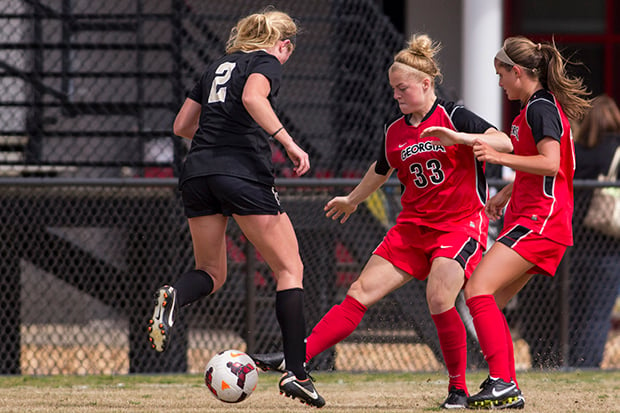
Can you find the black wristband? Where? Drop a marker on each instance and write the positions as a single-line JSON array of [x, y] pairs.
[[273, 135]]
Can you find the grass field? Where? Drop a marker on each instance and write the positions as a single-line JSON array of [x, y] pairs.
[[577, 391]]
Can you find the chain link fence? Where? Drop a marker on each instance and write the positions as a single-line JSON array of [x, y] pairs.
[[91, 89], [92, 222]]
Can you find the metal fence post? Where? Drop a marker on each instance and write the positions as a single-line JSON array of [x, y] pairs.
[[250, 302], [564, 300]]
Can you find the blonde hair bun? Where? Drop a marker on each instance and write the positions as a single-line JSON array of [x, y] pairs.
[[261, 31]]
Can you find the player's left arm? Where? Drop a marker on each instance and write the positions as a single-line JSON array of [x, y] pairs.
[[256, 102], [498, 140], [469, 127]]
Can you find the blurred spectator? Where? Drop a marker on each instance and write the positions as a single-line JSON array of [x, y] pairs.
[[595, 259]]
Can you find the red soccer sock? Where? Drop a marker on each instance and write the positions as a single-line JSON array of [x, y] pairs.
[[453, 342], [488, 320], [511, 353], [339, 322]]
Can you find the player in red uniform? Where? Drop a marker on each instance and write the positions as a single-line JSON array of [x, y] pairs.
[[441, 231], [537, 222]]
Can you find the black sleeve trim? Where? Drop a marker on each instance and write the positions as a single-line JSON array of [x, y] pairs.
[[196, 93], [382, 167], [544, 120], [467, 121]]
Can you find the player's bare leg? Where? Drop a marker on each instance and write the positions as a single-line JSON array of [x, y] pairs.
[[274, 237], [208, 237]]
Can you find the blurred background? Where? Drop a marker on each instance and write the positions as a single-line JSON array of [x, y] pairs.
[[92, 223]]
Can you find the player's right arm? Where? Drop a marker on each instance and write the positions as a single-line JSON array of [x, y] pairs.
[[345, 205], [186, 121], [498, 140]]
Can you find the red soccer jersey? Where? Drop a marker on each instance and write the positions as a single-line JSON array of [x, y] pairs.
[[444, 187], [543, 204]]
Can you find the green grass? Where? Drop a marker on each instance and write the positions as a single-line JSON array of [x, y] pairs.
[[545, 391]]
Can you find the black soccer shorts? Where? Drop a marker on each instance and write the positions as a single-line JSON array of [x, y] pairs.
[[228, 195]]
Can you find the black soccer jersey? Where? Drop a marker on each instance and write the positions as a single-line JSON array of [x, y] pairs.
[[228, 140]]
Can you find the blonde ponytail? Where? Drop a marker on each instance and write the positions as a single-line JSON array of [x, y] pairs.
[[261, 31]]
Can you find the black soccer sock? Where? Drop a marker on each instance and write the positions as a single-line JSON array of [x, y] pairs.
[[192, 286], [290, 315]]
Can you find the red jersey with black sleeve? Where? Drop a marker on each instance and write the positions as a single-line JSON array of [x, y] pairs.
[[543, 204], [444, 187]]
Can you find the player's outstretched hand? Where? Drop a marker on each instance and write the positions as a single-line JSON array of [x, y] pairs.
[[445, 136], [339, 206]]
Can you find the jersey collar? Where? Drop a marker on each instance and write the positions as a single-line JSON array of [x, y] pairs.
[[428, 114]]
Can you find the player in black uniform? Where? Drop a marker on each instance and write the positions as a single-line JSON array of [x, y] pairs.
[[228, 172]]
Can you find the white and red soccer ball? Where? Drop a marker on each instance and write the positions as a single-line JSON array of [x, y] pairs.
[[231, 376]]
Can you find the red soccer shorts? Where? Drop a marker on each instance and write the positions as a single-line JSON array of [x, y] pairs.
[[540, 251], [412, 248]]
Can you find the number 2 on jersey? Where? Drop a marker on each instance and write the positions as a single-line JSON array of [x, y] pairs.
[[222, 76]]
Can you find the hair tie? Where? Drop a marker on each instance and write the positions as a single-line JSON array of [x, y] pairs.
[[538, 46], [276, 132]]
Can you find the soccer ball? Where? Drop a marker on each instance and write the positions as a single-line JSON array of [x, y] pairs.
[[231, 376]]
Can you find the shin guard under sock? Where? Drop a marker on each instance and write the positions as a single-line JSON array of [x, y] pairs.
[[453, 342], [339, 322], [511, 353], [192, 286], [489, 320], [290, 315]]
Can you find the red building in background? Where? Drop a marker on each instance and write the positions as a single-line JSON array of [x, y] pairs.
[[587, 32]]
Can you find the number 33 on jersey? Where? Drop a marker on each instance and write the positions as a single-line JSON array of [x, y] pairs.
[[439, 181]]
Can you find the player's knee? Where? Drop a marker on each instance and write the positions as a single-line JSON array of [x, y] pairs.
[[471, 290], [293, 267], [363, 295], [358, 292], [294, 273], [355, 290], [300, 267], [438, 301], [289, 278]]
